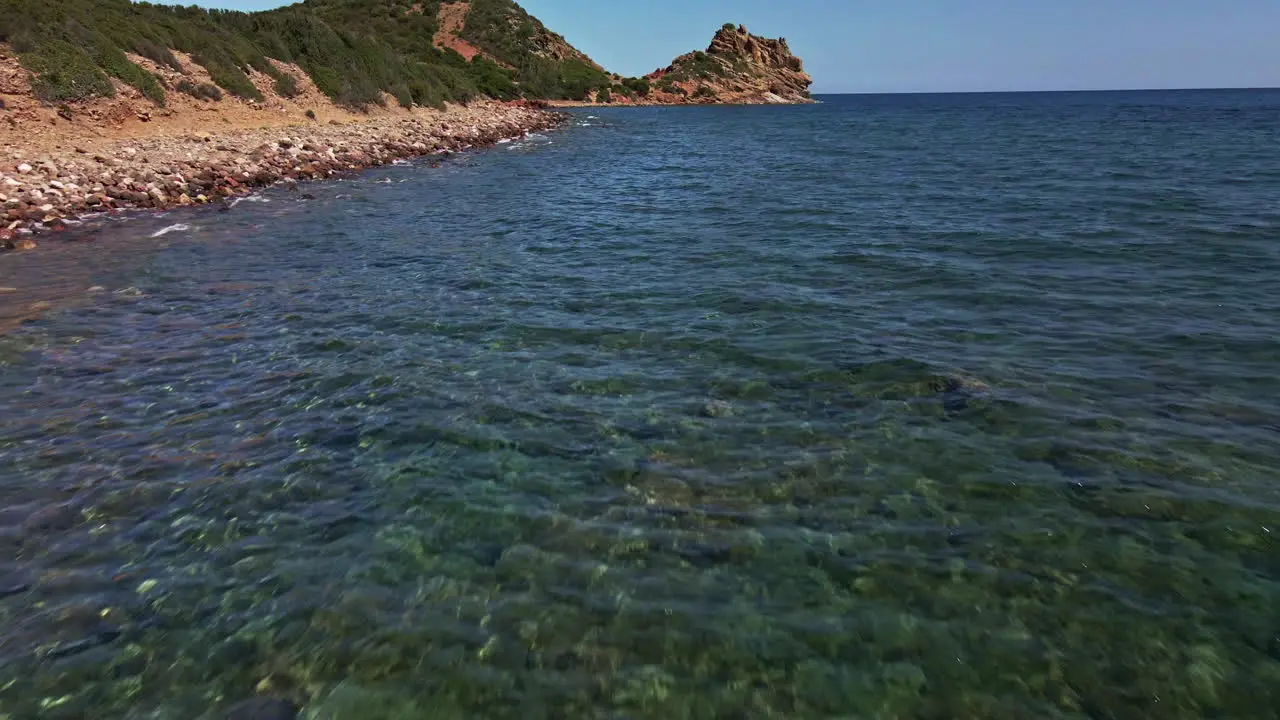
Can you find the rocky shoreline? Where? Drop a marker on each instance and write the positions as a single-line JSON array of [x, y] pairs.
[[41, 192]]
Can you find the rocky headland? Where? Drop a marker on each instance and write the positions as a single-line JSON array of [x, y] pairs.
[[737, 68]]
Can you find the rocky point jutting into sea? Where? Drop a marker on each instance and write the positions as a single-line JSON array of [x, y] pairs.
[[736, 68]]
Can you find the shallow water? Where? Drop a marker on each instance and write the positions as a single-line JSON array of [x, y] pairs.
[[891, 407]]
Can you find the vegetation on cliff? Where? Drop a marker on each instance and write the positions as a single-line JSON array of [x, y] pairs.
[[356, 51]]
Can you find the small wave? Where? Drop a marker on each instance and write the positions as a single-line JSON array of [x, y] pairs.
[[179, 227], [247, 198], [504, 141]]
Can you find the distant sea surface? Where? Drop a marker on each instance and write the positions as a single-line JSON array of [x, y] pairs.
[[888, 407]]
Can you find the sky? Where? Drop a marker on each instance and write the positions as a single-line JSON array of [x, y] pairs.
[[944, 45]]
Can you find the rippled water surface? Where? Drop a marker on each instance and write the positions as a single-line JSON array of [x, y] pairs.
[[910, 407]]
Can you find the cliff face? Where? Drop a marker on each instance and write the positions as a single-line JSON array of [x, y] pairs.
[[737, 67]]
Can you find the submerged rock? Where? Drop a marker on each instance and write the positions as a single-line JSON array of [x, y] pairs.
[[263, 708]]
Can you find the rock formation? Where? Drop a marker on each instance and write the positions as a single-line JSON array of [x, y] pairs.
[[737, 67]]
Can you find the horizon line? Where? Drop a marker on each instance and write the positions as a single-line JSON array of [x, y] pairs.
[[1223, 88]]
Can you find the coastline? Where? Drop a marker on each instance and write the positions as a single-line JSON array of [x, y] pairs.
[[706, 103], [43, 187]]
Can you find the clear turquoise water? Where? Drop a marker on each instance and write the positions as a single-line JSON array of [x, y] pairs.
[[890, 407]]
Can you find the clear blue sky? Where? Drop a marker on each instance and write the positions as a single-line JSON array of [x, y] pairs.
[[945, 45]]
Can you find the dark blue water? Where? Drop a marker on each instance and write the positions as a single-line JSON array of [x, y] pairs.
[[889, 407]]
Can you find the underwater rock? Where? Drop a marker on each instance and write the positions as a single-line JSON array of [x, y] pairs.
[[263, 708], [54, 518], [10, 587]]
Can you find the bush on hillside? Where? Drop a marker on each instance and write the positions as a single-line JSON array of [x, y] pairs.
[[700, 66], [640, 86], [63, 72], [111, 58], [287, 86], [668, 85], [503, 29], [578, 79], [492, 80], [157, 54], [226, 72], [204, 91], [605, 95]]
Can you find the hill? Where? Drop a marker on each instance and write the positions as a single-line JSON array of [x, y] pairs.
[[357, 52]]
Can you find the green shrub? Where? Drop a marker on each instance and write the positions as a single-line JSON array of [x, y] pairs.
[[704, 91], [604, 95], [226, 72], [63, 72], [699, 66], [311, 114], [668, 84], [157, 54], [504, 30], [539, 77], [578, 79], [729, 26], [120, 67], [287, 86], [204, 91], [639, 86], [492, 79], [403, 95]]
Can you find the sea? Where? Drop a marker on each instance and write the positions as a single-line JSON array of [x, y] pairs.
[[917, 406]]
